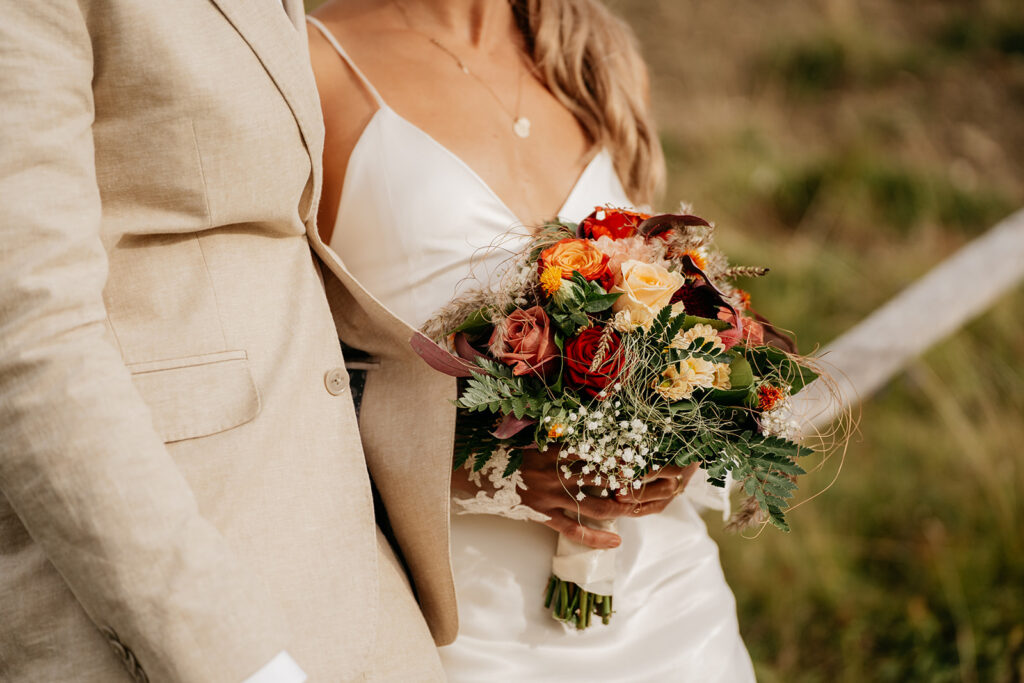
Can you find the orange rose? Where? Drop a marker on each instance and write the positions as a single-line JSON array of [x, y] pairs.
[[580, 256]]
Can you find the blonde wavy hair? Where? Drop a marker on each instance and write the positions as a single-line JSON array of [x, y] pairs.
[[590, 60]]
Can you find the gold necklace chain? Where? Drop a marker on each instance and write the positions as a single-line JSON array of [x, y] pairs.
[[520, 124]]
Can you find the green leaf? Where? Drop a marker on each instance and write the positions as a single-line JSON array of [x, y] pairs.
[[693, 320], [480, 459], [601, 302], [681, 407], [768, 361], [515, 461], [477, 322]]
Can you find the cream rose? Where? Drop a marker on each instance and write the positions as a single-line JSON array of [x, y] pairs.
[[646, 288]]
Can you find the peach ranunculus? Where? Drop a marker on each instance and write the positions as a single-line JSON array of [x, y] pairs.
[[646, 288], [527, 342], [579, 255], [634, 248]]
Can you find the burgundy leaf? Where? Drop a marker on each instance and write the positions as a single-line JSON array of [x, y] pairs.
[[655, 225], [511, 425], [440, 359], [466, 350]]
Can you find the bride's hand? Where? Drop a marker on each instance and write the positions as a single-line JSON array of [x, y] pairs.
[[550, 492]]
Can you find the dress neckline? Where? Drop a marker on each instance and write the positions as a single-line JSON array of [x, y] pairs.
[[383, 106], [459, 161]]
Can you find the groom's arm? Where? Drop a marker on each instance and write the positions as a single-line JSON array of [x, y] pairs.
[[80, 462]]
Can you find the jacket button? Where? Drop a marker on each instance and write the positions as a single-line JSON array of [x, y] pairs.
[[336, 381]]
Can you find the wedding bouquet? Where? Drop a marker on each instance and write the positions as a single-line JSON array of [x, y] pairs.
[[623, 341]]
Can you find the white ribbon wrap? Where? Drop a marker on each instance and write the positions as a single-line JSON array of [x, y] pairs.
[[591, 569]]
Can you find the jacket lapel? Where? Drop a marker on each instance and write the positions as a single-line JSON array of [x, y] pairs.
[[279, 43]]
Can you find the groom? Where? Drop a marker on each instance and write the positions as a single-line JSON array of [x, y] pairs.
[[183, 496]]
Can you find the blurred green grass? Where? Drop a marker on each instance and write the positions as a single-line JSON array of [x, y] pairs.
[[850, 146]]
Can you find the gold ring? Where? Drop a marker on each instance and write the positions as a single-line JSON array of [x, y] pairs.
[[636, 510]]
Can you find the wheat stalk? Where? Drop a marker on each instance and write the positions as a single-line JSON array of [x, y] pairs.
[[602, 348], [745, 271]]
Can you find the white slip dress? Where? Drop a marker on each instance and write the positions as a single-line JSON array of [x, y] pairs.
[[417, 226]]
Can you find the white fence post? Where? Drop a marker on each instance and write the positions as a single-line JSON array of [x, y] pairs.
[[960, 288]]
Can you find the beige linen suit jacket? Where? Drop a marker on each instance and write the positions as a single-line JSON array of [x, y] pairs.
[[180, 468]]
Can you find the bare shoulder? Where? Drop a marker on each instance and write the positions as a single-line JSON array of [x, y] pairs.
[[346, 103], [342, 95]]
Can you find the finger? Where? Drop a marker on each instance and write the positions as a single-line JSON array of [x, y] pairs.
[[687, 475], [597, 508], [652, 508], [592, 538], [580, 479], [656, 490], [666, 472]]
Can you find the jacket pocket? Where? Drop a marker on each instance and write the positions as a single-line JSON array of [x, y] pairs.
[[198, 395]]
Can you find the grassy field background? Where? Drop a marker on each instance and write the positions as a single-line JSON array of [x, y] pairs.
[[850, 146]]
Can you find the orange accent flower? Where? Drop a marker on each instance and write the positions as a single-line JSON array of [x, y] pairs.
[[613, 223], [698, 258], [768, 397], [551, 279], [556, 431], [744, 297], [577, 255]]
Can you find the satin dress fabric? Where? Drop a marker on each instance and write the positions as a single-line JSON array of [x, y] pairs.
[[417, 226]]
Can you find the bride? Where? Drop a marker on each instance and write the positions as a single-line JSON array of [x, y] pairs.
[[448, 123]]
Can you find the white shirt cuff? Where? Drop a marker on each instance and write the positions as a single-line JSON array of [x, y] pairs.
[[281, 669]]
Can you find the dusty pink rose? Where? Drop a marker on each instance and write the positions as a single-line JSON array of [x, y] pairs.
[[527, 342], [753, 331]]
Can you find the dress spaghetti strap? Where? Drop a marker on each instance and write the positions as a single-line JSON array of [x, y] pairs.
[[348, 60]]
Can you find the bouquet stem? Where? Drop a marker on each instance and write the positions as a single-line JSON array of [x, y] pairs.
[[571, 604]]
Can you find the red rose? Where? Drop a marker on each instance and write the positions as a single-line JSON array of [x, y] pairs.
[[613, 223], [528, 342], [579, 356]]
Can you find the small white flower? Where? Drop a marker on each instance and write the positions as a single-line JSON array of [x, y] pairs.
[[636, 484], [580, 495], [547, 418]]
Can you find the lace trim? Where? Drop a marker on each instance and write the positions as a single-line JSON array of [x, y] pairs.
[[505, 500]]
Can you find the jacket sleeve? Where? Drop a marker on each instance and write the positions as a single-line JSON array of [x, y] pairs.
[[80, 462]]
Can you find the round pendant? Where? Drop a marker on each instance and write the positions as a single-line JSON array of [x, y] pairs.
[[522, 127]]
